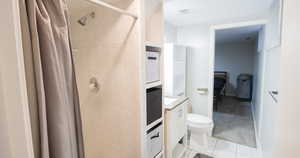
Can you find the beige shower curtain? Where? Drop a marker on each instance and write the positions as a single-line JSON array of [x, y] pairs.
[[52, 90]]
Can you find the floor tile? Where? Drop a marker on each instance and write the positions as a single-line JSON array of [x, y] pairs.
[[242, 156], [196, 146], [225, 146], [247, 152], [224, 154], [212, 143]]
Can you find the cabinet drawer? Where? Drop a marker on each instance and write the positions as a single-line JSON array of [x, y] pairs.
[[153, 67], [176, 124], [154, 141]]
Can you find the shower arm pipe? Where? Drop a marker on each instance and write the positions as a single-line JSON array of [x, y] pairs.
[[104, 4]]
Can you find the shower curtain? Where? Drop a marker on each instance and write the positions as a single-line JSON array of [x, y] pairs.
[[52, 91]]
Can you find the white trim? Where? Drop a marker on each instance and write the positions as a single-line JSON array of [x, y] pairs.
[[262, 87], [240, 24], [211, 68], [152, 44], [104, 4], [211, 65], [154, 123], [13, 80], [142, 65], [153, 84], [258, 143], [280, 23]]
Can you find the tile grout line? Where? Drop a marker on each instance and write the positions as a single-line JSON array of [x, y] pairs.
[[214, 148], [236, 151]]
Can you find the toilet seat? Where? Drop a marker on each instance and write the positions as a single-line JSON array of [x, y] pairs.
[[199, 121]]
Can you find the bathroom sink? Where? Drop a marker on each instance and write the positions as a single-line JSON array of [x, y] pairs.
[[172, 102], [169, 101]]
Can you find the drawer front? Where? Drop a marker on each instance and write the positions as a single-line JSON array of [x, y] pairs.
[[177, 124], [179, 116], [154, 104], [153, 67], [155, 142]]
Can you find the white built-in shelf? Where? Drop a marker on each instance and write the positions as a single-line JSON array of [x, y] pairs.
[[154, 123], [160, 155], [153, 44], [153, 84]]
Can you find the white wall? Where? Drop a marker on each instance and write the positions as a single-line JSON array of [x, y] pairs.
[[117, 70], [266, 109], [170, 34], [15, 132], [279, 129], [197, 38], [234, 58], [289, 106]]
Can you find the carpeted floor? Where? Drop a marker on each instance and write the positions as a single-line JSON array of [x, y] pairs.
[[233, 122]]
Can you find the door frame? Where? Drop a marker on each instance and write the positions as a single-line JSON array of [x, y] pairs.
[[211, 65]]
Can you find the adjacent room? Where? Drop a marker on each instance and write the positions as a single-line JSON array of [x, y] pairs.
[[231, 69], [234, 73]]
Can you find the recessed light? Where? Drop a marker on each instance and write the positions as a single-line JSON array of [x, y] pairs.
[[184, 11]]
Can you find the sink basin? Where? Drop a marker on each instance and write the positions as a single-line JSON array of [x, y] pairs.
[[169, 101]]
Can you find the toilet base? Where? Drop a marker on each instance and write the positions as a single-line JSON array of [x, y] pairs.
[[198, 140], [202, 156]]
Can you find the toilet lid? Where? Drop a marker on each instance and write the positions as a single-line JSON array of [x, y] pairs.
[[198, 119]]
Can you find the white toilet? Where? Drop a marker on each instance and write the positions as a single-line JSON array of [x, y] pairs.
[[199, 129]]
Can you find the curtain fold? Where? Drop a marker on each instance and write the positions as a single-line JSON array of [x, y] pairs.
[[51, 82]]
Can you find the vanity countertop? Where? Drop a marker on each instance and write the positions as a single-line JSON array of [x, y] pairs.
[[172, 102]]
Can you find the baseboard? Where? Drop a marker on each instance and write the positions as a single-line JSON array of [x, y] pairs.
[[258, 143]]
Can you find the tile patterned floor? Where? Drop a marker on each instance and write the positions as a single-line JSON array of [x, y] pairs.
[[233, 122], [233, 127], [225, 149]]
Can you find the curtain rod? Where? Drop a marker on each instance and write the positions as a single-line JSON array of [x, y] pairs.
[[122, 11]]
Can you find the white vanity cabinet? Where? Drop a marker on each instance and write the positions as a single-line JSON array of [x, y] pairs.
[[176, 127]]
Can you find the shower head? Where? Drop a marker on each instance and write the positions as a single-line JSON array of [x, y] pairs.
[[83, 20]]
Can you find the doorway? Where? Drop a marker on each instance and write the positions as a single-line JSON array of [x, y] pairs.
[[235, 62]]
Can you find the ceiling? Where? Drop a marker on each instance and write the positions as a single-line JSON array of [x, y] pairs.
[[188, 12], [241, 34]]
